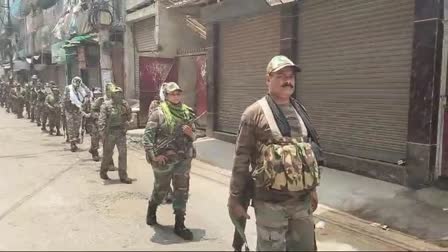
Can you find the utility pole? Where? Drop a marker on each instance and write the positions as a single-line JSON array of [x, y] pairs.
[[9, 29]]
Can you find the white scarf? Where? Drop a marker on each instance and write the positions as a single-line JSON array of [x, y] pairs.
[[77, 97]]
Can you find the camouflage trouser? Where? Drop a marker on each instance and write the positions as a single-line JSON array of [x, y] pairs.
[[115, 137], [37, 112], [43, 115], [74, 119], [28, 109], [54, 120], [33, 111], [285, 226], [94, 136], [19, 109], [179, 172]]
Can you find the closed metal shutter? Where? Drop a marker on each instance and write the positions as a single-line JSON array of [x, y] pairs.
[[145, 35], [356, 60], [246, 47], [145, 42]]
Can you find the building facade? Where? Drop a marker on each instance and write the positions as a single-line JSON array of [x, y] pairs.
[[370, 77]]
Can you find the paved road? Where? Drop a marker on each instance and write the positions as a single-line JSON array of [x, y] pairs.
[[52, 199]]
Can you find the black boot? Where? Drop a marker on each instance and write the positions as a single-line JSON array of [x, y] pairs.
[[58, 132], [73, 147], [180, 229], [103, 175], [151, 218], [95, 155], [126, 180]]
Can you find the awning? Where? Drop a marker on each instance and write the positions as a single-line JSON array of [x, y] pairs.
[[77, 40]]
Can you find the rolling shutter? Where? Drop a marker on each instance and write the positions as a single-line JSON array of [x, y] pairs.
[[246, 47], [356, 61]]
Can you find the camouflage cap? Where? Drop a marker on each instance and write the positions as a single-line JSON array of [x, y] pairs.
[[116, 89], [279, 62], [171, 87]]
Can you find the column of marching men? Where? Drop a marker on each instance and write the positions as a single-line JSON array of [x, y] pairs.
[[78, 110]]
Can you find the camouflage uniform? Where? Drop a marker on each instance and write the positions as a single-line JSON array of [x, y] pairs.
[[33, 103], [38, 104], [2, 94], [43, 111], [8, 104], [282, 178], [20, 100], [177, 168], [53, 106], [113, 122], [94, 131], [95, 136], [28, 88]]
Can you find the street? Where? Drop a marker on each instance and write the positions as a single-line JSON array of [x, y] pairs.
[[52, 199]]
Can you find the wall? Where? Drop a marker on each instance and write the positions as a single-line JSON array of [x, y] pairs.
[[187, 79], [172, 35]]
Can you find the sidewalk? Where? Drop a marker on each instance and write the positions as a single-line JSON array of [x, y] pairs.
[[419, 213]]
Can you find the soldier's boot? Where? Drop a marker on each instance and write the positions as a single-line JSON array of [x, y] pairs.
[[95, 155], [151, 217], [180, 229], [58, 132], [126, 180], [73, 147], [51, 132], [43, 128], [103, 175]]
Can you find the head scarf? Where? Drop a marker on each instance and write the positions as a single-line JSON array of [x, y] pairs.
[[77, 97]]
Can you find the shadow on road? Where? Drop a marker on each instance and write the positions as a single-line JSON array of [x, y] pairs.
[[116, 181], [164, 235]]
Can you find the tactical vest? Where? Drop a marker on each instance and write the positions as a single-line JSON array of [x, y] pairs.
[[117, 113], [285, 163]]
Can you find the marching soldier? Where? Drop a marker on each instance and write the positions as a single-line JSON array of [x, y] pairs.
[[41, 97], [276, 140], [173, 160], [9, 86], [115, 115], [74, 97], [2, 93], [38, 104], [19, 100], [28, 90], [95, 132], [92, 124], [53, 106]]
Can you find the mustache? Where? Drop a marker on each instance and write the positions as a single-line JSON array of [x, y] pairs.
[[287, 85]]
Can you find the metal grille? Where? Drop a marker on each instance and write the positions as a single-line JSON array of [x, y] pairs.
[[145, 35], [246, 47], [356, 61]]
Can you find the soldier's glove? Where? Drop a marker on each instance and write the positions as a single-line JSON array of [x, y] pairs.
[[149, 156], [236, 209]]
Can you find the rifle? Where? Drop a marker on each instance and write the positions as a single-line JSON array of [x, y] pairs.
[[82, 130], [167, 141], [239, 238]]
